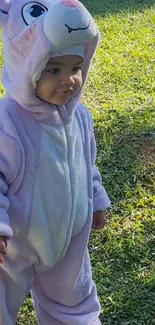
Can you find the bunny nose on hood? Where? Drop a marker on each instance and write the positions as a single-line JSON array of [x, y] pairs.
[[70, 3], [64, 25]]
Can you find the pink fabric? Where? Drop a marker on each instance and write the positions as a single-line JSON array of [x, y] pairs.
[[64, 294], [25, 46], [70, 3]]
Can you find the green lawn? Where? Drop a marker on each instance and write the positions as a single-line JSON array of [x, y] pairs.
[[120, 92]]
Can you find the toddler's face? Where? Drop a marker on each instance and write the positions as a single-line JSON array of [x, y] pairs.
[[60, 80]]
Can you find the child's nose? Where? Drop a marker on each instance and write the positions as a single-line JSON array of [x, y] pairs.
[[67, 80], [69, 3]]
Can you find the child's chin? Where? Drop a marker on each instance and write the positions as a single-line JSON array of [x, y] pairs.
[[62, 101]]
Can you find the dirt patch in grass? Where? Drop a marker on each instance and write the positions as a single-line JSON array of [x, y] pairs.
[[148, 151]]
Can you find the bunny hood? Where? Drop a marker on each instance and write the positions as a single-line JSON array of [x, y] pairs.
[[32, 31]]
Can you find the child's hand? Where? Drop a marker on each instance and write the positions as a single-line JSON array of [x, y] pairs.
[[99, 220], [3, 247]]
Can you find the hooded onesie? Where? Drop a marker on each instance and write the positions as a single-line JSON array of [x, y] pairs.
[[49, 184]]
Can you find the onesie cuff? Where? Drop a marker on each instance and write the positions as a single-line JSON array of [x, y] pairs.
[[101, 200]]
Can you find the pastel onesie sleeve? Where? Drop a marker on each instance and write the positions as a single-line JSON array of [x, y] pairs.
[[100, 198], [9, 166]]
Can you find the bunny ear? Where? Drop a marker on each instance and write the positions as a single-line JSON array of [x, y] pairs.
[[4, 9]]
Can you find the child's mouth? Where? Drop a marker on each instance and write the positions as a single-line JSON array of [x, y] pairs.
[[65, 92]]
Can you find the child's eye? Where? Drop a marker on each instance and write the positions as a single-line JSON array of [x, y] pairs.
[[54, 71], [76, 69]]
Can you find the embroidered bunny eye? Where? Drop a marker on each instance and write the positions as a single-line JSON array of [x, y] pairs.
[[31, 11]]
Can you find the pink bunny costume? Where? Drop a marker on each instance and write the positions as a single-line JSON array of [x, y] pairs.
[[49, 185]]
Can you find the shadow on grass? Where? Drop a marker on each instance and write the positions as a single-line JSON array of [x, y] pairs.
[[103, 7]]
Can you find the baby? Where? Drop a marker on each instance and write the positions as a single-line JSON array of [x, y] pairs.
[[50, 189]]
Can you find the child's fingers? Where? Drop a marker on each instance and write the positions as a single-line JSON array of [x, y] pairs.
[[100, 225], [6, 242], [94, 225], [99, 220], [1, 260], [3, 247]]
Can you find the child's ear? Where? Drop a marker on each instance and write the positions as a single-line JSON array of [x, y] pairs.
[[4, 9]]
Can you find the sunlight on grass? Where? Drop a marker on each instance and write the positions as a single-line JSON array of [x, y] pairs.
[[120, 93]]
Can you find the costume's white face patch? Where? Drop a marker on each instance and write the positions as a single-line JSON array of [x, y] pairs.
[[58, 205], [65, 25], [31, 11]]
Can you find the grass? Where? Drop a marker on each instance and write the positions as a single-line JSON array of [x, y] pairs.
[[120, 92]]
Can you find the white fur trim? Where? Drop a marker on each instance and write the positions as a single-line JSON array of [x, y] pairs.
[[41, 68], [76, 49]]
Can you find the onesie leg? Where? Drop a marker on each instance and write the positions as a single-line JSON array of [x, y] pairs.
[[12, 293], [66, 294], [59, 299], [96, 322], [45, 317], [16, 277]]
